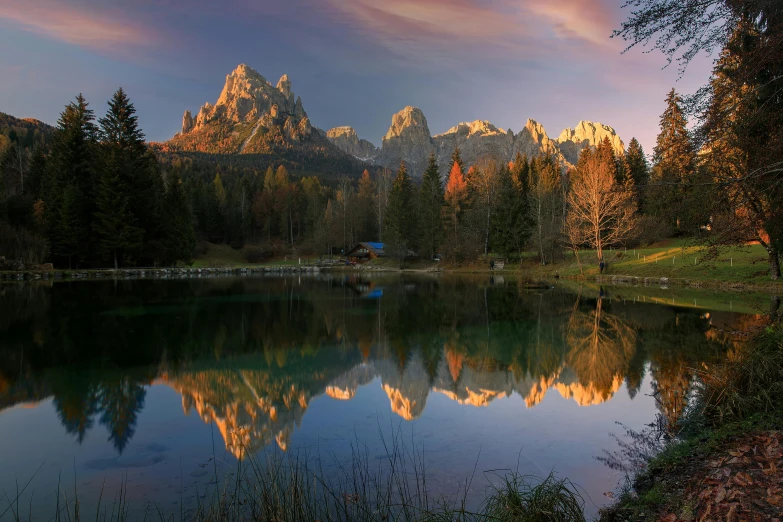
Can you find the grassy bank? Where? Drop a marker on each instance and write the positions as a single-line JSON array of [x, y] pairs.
[[727, 459]]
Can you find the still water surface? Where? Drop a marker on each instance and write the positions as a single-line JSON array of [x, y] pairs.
[[163, 385]]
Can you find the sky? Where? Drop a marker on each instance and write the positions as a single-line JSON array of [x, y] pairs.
[[353, 62]]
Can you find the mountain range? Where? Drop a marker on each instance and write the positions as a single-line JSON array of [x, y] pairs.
[[253, 116]]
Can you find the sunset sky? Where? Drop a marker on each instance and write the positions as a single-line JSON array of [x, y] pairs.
[[353, 62]]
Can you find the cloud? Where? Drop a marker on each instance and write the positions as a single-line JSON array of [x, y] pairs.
[[104, 29], [434, 25], [519, 26], [586, 20]]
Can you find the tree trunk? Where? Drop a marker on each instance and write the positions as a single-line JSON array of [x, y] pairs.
[[774, 263], [115, 260]]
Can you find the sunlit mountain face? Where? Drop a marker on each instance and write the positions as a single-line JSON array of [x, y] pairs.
[[250, 356]]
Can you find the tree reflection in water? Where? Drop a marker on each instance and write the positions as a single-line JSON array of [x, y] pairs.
[[250, 354]]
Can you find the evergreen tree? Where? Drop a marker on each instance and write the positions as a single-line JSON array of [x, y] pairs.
[[68, 228], [113, 222], [69, 181], [637, 169], [608, 158], [430, 204], [674, 154], [456, 159], [511, 229], [674, 165], [399, 214], [636, 164], [136, 171], [179, 236]]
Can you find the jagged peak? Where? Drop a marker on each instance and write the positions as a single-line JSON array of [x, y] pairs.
[[483, 127], [284, 85], [341, 131], [409, 117], [244, 70]]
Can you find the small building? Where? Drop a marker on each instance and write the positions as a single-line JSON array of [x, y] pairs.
[[365, 252], [497, 263]]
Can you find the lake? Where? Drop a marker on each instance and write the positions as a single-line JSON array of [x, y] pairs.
[[157, 387]]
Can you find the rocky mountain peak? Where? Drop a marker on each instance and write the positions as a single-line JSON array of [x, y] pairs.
[[262, 117], [587, 134], [284, 86], [408, 140], [410, 120], [346, 139]]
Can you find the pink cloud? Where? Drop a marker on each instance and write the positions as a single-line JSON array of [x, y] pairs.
[[587, 20], [527, 27], [96, 29]]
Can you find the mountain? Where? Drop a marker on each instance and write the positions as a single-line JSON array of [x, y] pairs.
[[409, 139], [254, 117]]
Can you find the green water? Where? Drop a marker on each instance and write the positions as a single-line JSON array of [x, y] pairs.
[[161, 385]]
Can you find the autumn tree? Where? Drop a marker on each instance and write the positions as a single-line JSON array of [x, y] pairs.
[[454, 203], [483, 186], [601, 212]]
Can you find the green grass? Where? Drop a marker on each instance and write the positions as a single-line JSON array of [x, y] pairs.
[[697, 298], [673, 259]]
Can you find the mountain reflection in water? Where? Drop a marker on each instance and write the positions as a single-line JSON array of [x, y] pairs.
[[249, 355]]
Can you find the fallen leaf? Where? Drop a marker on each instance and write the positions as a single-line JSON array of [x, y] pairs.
[[720, 495], [743, 479]]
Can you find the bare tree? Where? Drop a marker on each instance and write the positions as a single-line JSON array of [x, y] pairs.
[[484, 184], [601, 212]]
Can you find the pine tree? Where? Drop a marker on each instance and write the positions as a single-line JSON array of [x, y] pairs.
[[430, 204], [511, 229], [69, 230], [136, 170], [674, 154], [636, 164], [113, 222], [456, 159], [399, 213], [637, 169], [179, 236], [69, 181]]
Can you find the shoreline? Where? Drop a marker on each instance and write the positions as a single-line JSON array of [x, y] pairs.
[[771, 287]]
